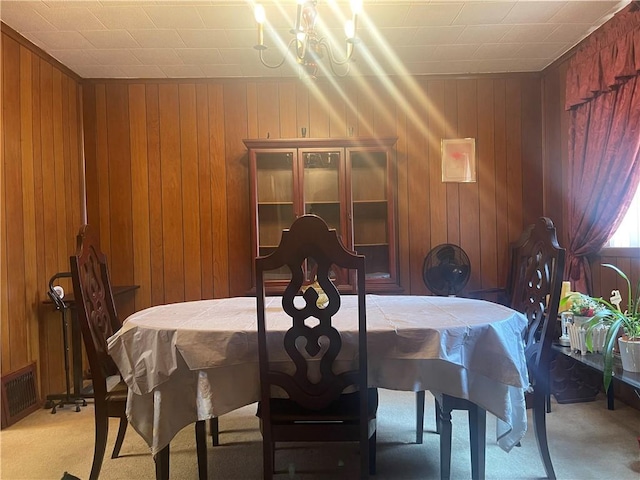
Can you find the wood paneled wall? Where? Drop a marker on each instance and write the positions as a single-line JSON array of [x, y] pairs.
[[168, 186], [41, 204]]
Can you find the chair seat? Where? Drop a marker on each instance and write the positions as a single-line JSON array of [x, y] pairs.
[[345, 409], [118, 393]]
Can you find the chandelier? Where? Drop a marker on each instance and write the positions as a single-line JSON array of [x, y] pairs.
[[307, 45]]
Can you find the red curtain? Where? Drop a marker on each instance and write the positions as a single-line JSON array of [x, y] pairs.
[[603, 96]]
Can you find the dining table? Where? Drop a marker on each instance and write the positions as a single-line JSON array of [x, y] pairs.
[[198, 360]]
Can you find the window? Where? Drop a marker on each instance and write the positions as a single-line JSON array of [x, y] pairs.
[[628, 233]]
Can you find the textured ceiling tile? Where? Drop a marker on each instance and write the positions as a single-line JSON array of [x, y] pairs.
[[542, 50], [123, 17], [214, 71], [98, 71], [498, 50], [167, 16], [157, 56], [110, 39], [438, 35], [73, 18], [529, 33], [74, 57], [158, 38], [582, 12], [62, 40], [23, 18], [570, 33], [217, 38], [456, 52], [395, 36], [479, 13], [194, 56], [433, 15], [533, 12], [182, 71], [115, 57], [483, 33], [142, 71], [230, 17]]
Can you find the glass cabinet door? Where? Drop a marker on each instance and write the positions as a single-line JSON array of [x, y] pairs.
[[371, 210], [322, 178], [275, 202]]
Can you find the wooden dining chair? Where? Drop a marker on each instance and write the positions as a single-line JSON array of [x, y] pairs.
[[96, 313], [501, 295], [538, 265], [312, 401]]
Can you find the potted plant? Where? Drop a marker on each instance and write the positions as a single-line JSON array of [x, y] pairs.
[[613, 316]]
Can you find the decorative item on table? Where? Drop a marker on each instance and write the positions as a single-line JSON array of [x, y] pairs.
[[578, 310], [611, 315], [322, 300], [566, 320]]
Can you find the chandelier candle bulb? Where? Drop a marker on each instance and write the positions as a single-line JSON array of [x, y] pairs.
[[260, 17]]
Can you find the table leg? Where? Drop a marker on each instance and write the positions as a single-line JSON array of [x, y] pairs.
[[162, 464]]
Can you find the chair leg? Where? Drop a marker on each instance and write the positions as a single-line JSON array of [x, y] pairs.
[[201, 449], [162, 464], [419, 416], [477, 441], [438, 411], [540, 429], [215, 431], [102, 431], [372, 454], [122, 428], [445, 441], [268, 459]]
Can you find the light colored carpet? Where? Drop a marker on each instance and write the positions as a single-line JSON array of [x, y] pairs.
[[587, 441]]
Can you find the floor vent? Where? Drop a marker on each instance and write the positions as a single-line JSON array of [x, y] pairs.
[[19, 395]]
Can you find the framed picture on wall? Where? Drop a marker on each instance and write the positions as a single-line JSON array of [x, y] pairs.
[[459, 160]]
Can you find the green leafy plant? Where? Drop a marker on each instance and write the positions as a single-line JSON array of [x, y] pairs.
[[614, 317]]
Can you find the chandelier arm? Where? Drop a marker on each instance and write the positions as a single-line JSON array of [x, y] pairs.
[[284, 58], [333, 60]]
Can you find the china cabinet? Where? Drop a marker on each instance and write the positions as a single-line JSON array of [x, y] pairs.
[[349, 182]]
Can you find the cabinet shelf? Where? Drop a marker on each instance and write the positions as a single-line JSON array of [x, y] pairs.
[[348, 182]]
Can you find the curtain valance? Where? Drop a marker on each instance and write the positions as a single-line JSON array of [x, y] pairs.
[[609, 57]]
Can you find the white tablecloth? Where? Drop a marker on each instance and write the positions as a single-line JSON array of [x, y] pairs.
[[195, 360]]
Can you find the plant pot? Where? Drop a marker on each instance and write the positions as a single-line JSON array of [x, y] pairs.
[[629, 354]]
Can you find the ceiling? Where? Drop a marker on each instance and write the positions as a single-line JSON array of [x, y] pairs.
[[215, 38]]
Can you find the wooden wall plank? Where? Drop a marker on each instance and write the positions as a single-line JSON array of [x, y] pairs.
[[435, 90], [470, 239], [28, 201], [532, 162], [500, 151], [237, 180], [140, 211], [204, 191], [219, 197], [453, 189], [514, 157], [12, 177], [102, 172], [418, 172], [120, 255], [287, 108], [190, 192], [155, 195], [170, 166], [486, 168], [268, 110]]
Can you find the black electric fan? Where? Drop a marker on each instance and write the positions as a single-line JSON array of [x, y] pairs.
[[446, 269]]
